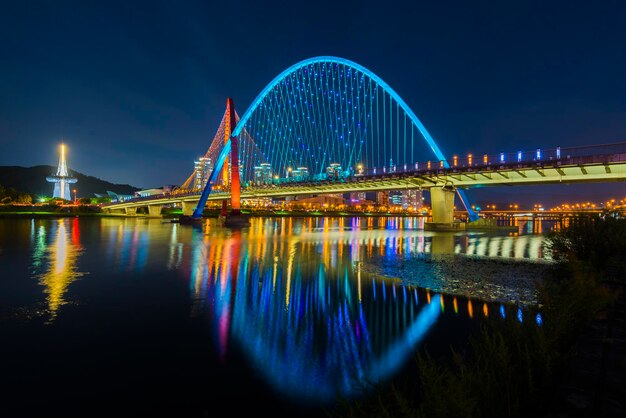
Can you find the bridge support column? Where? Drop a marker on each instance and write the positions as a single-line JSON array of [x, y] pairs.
[[154, 210], [442, 244], [188, 208], [130, 211], [442, 205]]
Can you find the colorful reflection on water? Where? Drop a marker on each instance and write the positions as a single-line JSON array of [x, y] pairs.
[[56, 251], [293, 295]]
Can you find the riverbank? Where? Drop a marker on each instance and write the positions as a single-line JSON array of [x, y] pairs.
[[482, 225]]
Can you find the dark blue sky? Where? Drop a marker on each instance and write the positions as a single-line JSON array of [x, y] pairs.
[[136, 89]]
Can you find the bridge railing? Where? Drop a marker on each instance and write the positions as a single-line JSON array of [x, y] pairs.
[[598, 154], [594, 154]]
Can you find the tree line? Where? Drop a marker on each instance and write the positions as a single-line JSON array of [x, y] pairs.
[[10, 195]]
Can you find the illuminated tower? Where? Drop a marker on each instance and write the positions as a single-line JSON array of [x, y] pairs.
[[62, 179]]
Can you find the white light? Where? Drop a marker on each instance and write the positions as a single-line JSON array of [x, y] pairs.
[[519, 156]]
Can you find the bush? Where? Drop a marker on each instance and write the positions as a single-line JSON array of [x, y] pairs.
[[597, 242]]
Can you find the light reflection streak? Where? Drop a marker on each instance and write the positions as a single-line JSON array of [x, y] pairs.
[[60, 257], [40, 245], [300, 305], [279, 315]]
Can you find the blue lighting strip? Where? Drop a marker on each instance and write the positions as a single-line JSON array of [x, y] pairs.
[[217, 170], [321, 111]]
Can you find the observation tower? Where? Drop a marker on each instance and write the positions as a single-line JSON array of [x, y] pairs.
[[62, 179]]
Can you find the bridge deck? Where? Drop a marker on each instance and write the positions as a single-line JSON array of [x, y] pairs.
[[586, 169]]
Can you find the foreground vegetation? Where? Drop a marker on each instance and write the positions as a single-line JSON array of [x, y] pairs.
[[512, 368], [10, 195]]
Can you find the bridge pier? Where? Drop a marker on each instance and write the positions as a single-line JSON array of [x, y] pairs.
[[130, 211], [442, 205], [188, 208], [442, 244], [155, 210]]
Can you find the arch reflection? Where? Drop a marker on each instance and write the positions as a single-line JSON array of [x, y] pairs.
[[311, 322]]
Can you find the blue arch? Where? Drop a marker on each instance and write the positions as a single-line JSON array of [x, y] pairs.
[[358, 67], [325, 59]]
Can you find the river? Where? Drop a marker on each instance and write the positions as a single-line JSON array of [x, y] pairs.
[[141, 315]]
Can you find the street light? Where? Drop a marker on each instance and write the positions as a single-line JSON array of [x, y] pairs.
[[74, 195]]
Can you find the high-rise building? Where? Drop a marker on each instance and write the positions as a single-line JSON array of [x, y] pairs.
[[263, 174], [382, 198], [412, 198], [395, 197], [333, 171], [62, 179], [203, 168], [300, 174]]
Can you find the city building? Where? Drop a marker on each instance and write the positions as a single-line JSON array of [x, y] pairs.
[[412, 199], [395, 197], [357, 197], [263, 174], [149, 192], [382, 198], [203, 168], [330, 201], [333, 171], [298, 174], [115, 197]]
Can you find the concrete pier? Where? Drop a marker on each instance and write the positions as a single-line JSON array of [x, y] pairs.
[[442, 204], [188, 208], [154, 210]]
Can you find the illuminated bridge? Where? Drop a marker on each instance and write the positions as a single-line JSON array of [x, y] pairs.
[[327, 125]]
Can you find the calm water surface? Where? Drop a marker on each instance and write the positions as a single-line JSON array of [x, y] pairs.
[[141, 316]]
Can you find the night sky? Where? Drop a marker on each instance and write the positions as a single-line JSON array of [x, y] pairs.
[[136, 89]]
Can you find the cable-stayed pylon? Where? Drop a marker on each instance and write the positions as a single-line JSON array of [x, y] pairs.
[[205, 164], [219, 169]]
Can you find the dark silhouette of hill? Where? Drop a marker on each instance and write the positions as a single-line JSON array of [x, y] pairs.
[[33, 180]]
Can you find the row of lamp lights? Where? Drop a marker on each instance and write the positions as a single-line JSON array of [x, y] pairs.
[[470, 160]]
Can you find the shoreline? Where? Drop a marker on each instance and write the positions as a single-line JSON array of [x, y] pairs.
[[208, 216], [268, 214]]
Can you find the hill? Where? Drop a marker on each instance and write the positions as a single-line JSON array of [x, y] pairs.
[[33, 180]]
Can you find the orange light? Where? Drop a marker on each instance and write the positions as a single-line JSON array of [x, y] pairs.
[[469, 159], [455, 160]]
